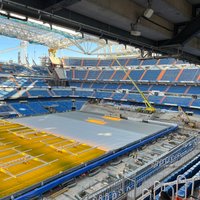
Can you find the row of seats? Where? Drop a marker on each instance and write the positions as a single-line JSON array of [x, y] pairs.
[[187, 170], [22, 82], [42, 107], [118, 96], [153, 169], [123, 61], [180, 89], [185, 190], [187, 174], [175, 75], [5, 108], [22, 70]]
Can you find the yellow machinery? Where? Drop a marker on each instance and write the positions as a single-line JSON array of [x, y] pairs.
[[149, 107], [185, 118], [52, 55]]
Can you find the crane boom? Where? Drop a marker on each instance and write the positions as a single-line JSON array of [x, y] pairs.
[[148, 105]]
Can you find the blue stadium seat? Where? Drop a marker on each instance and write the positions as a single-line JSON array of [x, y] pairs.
[[119, 75], [75, 84], [90, 62], [134, 97], [69, 74], [83, 93], [23, 109], [98, 85], [62, 92], [80, 74], [149, 62], [151, 75], [93, 74], [160, 88], [196, 103], [106, 62], [39, 92], [170, 75], [102, 95], [136, 74], [177, 89], [118, 96], [106, 74], [188, 75], [180, 101], [133, 62], [112, 86], [194, 90], [167, 61], [155, 99], [5, 109], [86, 85], [127, 86], [37, 107]]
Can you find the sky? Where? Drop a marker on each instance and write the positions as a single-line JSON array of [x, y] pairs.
[[34, 51]]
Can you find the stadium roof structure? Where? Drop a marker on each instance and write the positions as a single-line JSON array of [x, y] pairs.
[[56, 37], [168, 27]]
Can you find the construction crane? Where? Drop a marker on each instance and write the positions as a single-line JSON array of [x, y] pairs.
[[185, 118], [149, 107]]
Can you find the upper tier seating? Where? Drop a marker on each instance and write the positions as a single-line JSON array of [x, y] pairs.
[[177, 89], [103, 95], [63, 92], [105, 75], [80, 74], [136, 74], [194, 90], [93, 74], [127, 86], [119, 75], [83, 93], [39, 92], [7, 93], [166, 61], [41, 70], [112, 86], [149, 62], [123, 62], [22, 70], [189, 75], [159, 87], [151, 75], [170, 75]]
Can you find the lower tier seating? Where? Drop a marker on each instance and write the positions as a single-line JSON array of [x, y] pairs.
[[39, 107]]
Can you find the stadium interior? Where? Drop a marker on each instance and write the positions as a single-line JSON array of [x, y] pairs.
[[119, 122]]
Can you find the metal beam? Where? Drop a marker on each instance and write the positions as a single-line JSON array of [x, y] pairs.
[[183, 6], [56, 5], [192, 28], [88, 25]]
